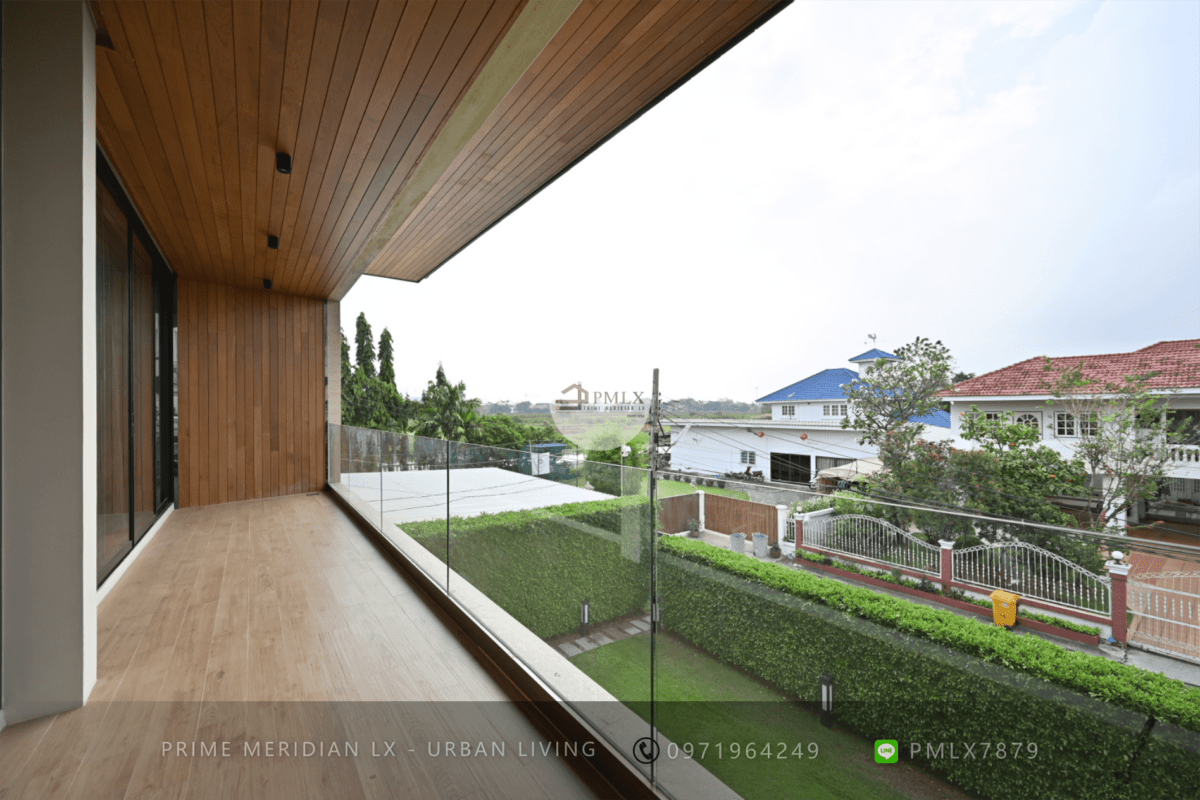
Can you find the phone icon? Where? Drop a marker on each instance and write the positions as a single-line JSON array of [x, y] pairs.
[[645, 750]]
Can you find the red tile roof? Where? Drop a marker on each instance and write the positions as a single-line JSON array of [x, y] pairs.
[[1177, 365]]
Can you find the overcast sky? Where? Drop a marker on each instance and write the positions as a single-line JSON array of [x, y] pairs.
[[1014, 179]]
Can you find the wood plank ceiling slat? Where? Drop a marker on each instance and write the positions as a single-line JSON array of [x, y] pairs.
[[247, 16], [327, 34], [368, 74], [598, 119], [407, 112], [195, 99], [356, 28]]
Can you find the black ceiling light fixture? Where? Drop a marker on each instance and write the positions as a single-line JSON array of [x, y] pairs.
[[272, 241], [283, 163], [266, 283]]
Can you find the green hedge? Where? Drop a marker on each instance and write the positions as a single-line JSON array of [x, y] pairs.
[[539, 565], [917, 674]]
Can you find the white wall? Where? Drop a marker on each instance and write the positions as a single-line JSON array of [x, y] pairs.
[[1047, 409], [804, 411], [718, 449], [49, 358]]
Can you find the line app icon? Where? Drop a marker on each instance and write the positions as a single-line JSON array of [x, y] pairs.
[[887, 751]]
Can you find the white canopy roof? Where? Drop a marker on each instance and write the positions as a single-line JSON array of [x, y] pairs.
[[855, 469]]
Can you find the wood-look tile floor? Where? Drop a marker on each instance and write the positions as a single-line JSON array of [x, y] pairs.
[[277, 621]]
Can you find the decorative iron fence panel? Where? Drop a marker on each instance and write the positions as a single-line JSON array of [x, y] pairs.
[[872, 538], [1031, 571]]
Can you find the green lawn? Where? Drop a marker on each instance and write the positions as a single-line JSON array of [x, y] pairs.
[[674, 488], [704, 700]]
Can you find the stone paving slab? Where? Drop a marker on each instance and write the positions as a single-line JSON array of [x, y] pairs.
[[569, 649]]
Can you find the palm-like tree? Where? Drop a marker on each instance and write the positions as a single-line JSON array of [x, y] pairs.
[[446, 411]]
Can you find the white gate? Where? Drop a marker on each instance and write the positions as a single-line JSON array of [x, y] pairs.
[[1166, 612]]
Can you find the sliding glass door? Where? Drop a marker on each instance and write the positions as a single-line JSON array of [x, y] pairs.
[[135, 321]]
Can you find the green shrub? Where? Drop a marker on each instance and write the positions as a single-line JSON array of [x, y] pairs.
[[809, 506], [851, 503], [540, 565], [1121, 684], [916, 674]]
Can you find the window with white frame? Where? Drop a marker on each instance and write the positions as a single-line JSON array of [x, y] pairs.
[[1031, 421], [834, 409], [747, 456], [993, 416], [1064, 424], [1089, 424], [788, 411]]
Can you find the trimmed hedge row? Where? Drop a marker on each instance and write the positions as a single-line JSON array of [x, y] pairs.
[[539, 565], [917, 674]]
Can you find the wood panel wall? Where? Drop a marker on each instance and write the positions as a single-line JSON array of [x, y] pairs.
[[730, 515], [677, 511], [251, 394]]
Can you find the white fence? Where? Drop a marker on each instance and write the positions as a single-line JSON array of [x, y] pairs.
[[1030, 571], [874, 539]]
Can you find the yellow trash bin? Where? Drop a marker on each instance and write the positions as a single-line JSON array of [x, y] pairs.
[[1004, 608]]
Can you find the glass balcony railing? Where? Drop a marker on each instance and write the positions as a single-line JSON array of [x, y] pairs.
[[824, 654]]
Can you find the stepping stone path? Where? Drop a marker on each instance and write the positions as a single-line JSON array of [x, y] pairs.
[[613, 631]]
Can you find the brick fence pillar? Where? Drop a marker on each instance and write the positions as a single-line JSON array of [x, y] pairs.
[[947, 564], [799, 533], [1119, 572]]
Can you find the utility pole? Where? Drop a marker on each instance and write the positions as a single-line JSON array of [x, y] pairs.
[[653, 561]]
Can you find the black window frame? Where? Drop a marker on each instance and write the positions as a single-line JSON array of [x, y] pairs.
[[164, 289]]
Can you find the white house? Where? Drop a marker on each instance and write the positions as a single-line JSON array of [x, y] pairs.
[[803, 436], [1021, 390]]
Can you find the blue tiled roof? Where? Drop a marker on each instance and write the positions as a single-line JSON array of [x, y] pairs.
[[940, 418], [825, 385], [873, 354]]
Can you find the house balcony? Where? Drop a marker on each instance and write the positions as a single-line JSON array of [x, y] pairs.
[[244, 631], [1184, 461]]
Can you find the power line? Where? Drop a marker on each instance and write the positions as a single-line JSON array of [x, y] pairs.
[[960, 485]]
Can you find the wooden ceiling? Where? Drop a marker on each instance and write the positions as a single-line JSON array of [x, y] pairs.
[[413, 127]]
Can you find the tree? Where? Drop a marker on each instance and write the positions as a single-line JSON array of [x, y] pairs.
[[603, 467], [503, 431], [346, 368], [1126, 438], [959, 377], [446, 411], [1011, 477], [885, 401], [364, 346], [387, 369]]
